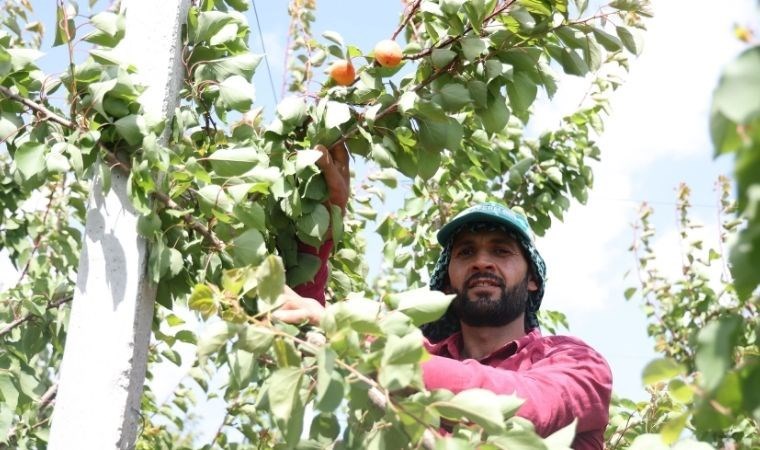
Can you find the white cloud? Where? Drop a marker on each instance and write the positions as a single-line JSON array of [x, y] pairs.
[[660, 113]]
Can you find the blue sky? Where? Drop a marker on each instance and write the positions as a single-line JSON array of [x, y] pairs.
[[656, 137]]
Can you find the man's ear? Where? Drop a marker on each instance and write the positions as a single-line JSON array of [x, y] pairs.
[[532, 284]]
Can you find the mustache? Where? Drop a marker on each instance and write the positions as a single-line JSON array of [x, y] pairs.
[[484, 276]]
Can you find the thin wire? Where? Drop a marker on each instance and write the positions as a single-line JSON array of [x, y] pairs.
[[264, 49]]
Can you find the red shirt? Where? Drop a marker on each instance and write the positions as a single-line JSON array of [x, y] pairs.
[[561, 379]]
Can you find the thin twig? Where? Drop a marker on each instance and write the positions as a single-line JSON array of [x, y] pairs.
[[38, 238], [412, 10], [48, 396], [44, 111]]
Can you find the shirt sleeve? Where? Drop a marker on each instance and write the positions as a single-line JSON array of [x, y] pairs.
[[316, 287], [571, 381]]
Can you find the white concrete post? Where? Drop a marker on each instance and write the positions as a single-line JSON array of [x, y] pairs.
[[103, 369]]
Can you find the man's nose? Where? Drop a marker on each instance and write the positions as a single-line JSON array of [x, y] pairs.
[[482, 262]]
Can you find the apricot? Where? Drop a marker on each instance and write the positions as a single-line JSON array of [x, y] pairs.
[[388, 53], [343, 72]]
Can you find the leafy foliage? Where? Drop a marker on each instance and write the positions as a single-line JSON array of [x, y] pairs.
[[224, 199], [707, 334]]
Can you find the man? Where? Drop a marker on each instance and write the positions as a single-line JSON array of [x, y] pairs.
[[490, 338]]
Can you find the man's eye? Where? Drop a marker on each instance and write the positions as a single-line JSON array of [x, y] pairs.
[[464, 252]]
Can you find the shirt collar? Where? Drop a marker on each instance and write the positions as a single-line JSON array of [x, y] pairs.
[[452, 346]]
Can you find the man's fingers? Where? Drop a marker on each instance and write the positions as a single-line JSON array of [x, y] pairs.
[[291, 315]]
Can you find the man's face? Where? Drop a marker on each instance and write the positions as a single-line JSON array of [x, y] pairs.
[[489, 274]]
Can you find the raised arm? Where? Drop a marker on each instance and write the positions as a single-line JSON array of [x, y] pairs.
[[571, 381], [334, 165]]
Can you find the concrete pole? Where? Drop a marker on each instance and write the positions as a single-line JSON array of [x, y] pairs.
[[104, 362]]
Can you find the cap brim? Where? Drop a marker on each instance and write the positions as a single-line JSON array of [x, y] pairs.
[[450, 229]]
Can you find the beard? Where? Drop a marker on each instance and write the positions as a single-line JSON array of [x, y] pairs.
[[484, 311]]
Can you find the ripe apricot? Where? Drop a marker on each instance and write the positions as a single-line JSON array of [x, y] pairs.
[[342, 71], [388, 53]]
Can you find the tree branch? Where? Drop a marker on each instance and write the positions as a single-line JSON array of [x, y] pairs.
[[191, 221], [467, 29], [413, 9], [165, 199], [41, 109], [8, 328]]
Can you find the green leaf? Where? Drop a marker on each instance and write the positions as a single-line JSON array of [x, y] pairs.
[[337, 113], [632, 42], [662, 369], [237, 93], [479, 405], [306, 158], [304, 270], [209, 23], [520, 439], [715, 349], [213, 196], [202, 299], [231, 162], [473, 47], [109, 29], [403, 350], [422, 305], [329, 381], [292, 110], [214, 337], [441, 57], [522, 91], [132, 128], [680, 391], [745, 251], [629, 293], [542, 7], [314, 225], [248, 248], [10, 124], [98, 91], [359, 314], [22, 58], [271, 278], [30, 159], [737, 96], [648, 442], [455, 96], [243, 64], [496, 116], [283, 394], [334, 37], [609, 42], [324, 428], [62, 26], [562, 438], [239, 5], [672, 428], [255, 339]]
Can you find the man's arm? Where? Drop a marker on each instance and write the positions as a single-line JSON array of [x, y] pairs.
[[334, 166], [572, 382]]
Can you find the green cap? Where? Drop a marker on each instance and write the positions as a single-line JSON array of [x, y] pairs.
[[490, 213]]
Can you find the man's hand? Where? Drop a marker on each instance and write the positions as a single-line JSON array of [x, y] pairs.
[[296, 309], [334, 166]]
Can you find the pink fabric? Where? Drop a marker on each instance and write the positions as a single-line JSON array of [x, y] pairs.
[[561, 379], [316, 287]]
